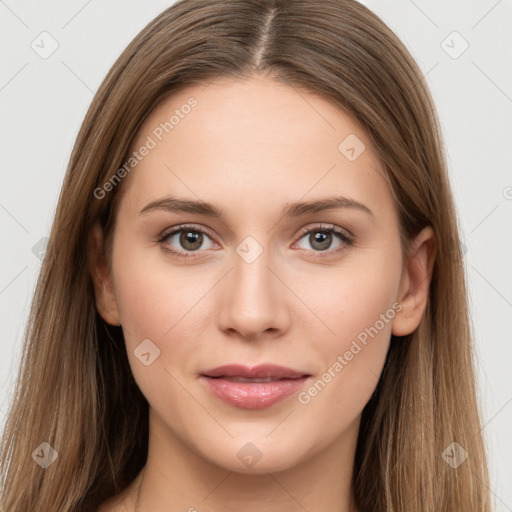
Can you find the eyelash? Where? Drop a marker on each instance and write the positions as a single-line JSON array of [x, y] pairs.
[[347, 240]]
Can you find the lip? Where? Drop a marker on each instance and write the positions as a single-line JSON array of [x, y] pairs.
[[260, 371], [227, 383]]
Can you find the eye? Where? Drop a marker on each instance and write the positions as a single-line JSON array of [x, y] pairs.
[[321, 238], [189, 238]]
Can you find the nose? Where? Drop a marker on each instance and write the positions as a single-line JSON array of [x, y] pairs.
[[253, 300]]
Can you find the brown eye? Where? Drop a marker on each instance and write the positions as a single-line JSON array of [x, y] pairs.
[[321, 239], [191, 240], [184, 240]]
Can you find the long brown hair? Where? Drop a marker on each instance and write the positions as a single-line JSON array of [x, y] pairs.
[[75, 389]]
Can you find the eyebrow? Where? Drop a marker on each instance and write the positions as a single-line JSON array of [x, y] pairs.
[[296, 209]]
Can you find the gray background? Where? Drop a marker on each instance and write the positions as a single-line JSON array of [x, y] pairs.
[[43, 102]]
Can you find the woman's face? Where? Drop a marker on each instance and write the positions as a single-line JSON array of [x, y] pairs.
[[251, 287]]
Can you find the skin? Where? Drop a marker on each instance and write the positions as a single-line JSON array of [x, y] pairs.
[[249, 147]]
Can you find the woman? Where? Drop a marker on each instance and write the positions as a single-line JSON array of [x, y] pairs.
[[254, 296]]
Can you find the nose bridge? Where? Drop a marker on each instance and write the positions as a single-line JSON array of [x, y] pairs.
[[251, 271], [252, 301]]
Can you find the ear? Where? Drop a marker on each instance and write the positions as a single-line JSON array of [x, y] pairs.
[[106, 303], [415, 282]]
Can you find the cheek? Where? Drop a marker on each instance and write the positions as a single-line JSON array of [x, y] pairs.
[[142, 303], [152, 308], [145, 297], [353, 296], [161, 303], [151, 294], [359, 309]]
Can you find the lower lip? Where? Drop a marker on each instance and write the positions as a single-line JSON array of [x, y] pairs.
[[253, 395]]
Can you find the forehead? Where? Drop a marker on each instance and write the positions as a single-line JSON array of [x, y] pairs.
[[249, 141]]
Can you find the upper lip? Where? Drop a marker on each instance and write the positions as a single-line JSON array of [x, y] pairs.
[[261, 371]]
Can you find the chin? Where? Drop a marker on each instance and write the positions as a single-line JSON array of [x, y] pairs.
[[257, 457]]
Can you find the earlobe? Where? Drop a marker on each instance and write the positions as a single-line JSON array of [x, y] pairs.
[[106, 303], [415, 282]]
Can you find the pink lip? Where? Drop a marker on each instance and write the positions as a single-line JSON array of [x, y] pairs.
[[260, 371], [253, 395]]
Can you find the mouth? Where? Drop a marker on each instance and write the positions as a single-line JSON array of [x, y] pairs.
[[245, 379], [253, 388], [261, 371]]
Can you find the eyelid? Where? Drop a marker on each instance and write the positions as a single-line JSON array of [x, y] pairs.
[[328, 227], [168, 232]]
